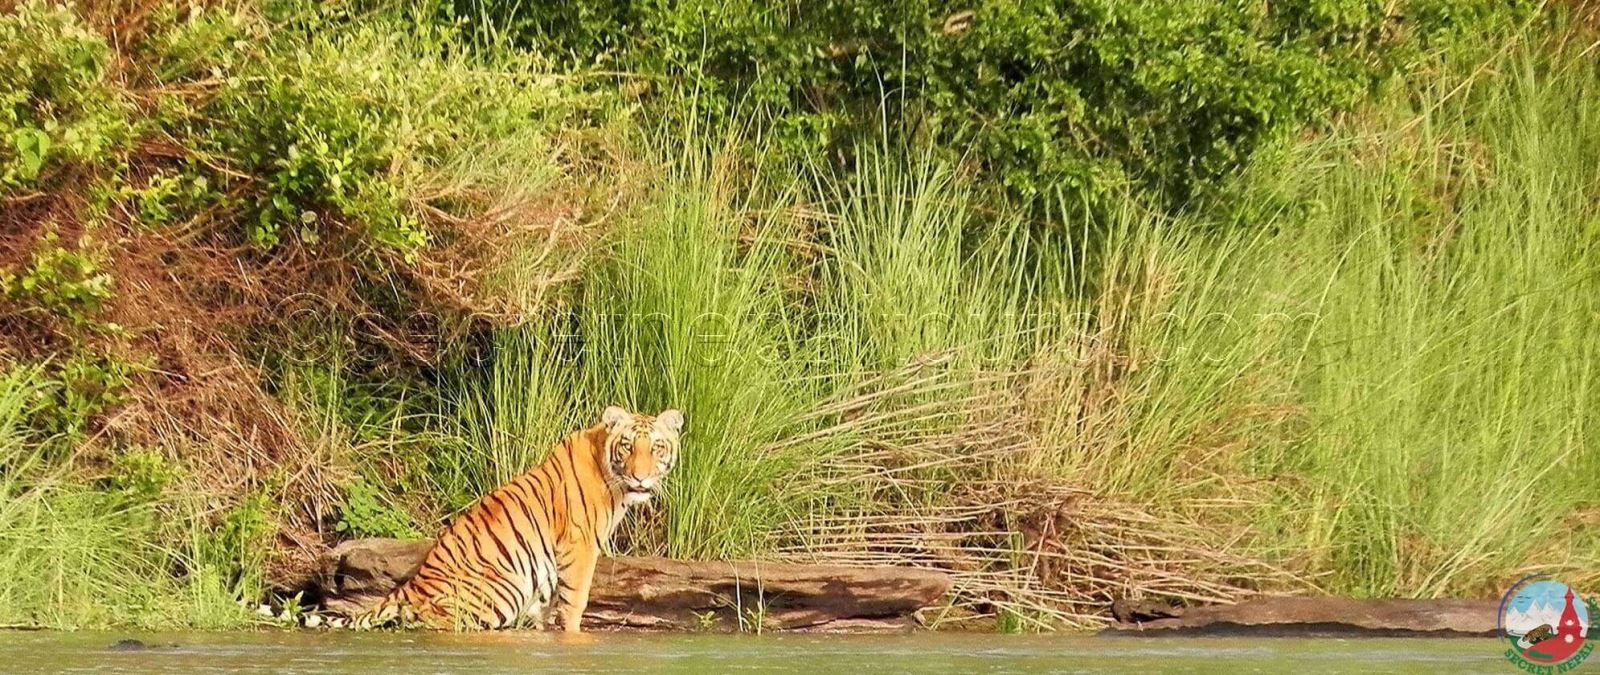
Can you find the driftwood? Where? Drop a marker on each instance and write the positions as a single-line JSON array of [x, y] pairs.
[[1298, 616], [662, 594]]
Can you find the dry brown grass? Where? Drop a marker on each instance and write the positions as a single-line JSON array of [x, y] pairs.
[[956, 482]]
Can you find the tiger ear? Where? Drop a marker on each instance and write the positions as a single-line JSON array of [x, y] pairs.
[[670, 420], [614, 416]]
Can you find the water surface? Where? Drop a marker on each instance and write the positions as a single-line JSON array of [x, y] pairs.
[[530, 652]]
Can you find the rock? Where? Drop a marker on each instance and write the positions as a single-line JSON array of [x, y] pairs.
[[128, 645], [1128, 610], [1299, 616], [132, 645], [357, 574], [662, 594]]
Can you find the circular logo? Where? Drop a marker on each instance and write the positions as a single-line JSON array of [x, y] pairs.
[[1547, 624]]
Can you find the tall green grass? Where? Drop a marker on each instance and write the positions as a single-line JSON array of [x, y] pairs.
[[82, 557], [1449, 377], [1381, 360], [511, 411], [914, 270], [1371, 370], [689, 310], [754, 305]]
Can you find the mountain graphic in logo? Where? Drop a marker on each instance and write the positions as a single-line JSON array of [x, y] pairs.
[[1546, 622]]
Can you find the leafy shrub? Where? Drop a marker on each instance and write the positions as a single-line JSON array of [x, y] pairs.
[[350, 126], [55, 104], [140, 475], [304, 127], [88, 385], [169, 197], [1071, 95], [365, 514], [65, 282]]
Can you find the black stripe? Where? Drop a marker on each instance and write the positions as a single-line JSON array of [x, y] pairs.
[[559, 499], [462, 597], [427, 587], [500, 617], [500, 565], [514, 491], [555, 465], [538, 530], [488, 585], [549, 550], [506, 595], [571, 485], [477, 550], [549, 509], [549, 516], [500, 543], [454, 557], [583, 498], [514, 603], [522, 542], [511, 495], [544, 537]]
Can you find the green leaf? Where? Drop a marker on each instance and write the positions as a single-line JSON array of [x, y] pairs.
[[33, 146]]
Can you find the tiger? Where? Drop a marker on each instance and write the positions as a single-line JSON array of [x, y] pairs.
[[538, 537]]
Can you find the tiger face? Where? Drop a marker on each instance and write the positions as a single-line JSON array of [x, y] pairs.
[[639, 451]]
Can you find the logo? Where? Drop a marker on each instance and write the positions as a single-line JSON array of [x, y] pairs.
[[1547, 624]]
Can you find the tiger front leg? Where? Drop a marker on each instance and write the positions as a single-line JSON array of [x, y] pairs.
[[574, 594]]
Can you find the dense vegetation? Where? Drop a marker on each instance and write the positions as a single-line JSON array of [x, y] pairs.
[[1092, 299]]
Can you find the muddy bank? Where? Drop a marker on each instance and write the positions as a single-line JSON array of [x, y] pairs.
[[676, 595], [1317, 617], [662, 594]]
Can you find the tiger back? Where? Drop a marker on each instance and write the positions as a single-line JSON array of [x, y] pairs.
[[530, 547]]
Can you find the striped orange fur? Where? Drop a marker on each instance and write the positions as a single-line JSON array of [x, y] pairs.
[[529, 548]]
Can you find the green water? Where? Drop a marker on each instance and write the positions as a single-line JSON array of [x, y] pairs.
[[311, 652]]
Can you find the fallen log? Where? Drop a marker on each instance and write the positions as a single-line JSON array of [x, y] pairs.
[[1325, 617], [663, 594]]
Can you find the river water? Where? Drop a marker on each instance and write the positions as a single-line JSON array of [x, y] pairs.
[[528, 652]]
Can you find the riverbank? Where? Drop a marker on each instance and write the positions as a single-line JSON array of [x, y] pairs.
[[1307, 317], [752, 596], [660, 594]]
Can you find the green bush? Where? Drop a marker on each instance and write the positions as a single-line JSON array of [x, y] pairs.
[[68, 283], [366, 514], [309, 127], [1073, 96], [141, 475], [90, 383], [356, 126], [56, 106]]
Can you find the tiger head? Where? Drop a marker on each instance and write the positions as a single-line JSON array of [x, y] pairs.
[[639, 450]]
